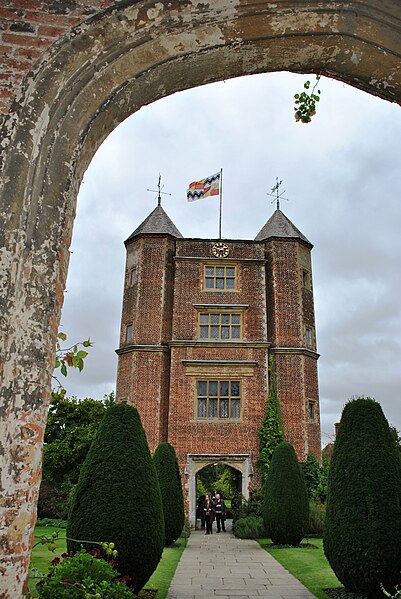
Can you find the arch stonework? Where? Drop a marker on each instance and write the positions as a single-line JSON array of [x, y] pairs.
[[72, 74], [242, 463]]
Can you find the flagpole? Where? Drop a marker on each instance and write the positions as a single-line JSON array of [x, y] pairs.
[[221, 200]]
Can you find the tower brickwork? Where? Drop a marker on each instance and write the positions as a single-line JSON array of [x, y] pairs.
[[202, 321]]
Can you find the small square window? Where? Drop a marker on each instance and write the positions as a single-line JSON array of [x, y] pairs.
[[128, 333], [219, 277], [218, 400], [132, 277], [217, 325], [305, 278]]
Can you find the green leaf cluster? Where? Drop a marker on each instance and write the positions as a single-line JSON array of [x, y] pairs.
[[168, 473], [271, 433], [306, 102], [363, 516], [71, 357], [118, 496], [83, 577], [285, 507]]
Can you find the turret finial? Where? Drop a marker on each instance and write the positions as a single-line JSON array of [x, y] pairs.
[[159, 191], [276, 195]]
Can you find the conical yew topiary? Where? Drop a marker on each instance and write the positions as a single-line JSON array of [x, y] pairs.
[[168, 472], [285, 506], [118, 496], [363, 518]]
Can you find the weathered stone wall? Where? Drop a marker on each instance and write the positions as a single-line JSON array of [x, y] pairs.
[[71, 71]]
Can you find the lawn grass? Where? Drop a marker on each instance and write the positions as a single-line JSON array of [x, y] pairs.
[[41, 556], [310, 566], [160, 579], [162, 576]]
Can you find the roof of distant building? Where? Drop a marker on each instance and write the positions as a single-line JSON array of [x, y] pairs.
[[280, 226], [157, 223]]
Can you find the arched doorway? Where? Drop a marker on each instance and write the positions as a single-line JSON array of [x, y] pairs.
[[240, 464], [91, 80], [217, 478]]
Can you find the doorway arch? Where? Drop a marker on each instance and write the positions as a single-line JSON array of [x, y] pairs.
[[124, 58], [241, 463]]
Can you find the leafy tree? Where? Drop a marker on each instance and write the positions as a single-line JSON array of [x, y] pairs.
[[71, 427], [217, 478], [168, 472], [118, 496], [271, 433], [363, 517], [285, 507]]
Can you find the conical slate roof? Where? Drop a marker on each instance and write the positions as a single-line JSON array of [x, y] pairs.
[[157, 223], [280, 226]]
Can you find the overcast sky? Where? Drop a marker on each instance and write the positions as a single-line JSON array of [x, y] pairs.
[[342, 176]]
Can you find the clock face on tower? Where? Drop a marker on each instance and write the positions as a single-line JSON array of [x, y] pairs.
[[220, 250]]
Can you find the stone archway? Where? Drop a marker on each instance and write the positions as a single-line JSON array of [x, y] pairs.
[[80, 88], [196, 462]]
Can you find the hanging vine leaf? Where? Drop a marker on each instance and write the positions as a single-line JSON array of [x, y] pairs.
[[306, 102]]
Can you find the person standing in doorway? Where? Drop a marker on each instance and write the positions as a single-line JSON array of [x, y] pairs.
[[220, 511], [208, 510]]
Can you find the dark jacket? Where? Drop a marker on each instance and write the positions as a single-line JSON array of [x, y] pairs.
[[220, 507], [208, 509]]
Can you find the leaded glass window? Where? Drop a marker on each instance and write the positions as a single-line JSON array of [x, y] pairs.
[[218, 399]]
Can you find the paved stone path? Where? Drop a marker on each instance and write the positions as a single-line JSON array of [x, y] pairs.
[[220, 565]]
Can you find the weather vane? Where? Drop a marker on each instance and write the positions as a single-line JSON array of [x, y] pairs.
[[276, 195], [159, 191]]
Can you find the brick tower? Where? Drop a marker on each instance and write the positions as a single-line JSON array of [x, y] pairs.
[[200, 319]]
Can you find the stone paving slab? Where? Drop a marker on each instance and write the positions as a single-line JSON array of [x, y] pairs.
[[220, 565]]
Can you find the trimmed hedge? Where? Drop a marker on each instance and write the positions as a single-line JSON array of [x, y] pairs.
[[249, 527], [118, 496], [285, 507], [363, 518], [168, 472]]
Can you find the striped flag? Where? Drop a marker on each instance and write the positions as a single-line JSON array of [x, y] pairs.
[[205, 188]]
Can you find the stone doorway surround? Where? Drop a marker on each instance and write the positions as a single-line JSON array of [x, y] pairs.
[[196, 462]]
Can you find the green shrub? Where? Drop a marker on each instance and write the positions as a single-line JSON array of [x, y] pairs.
[[168, 473], [363, 518], [55, 522], [317, 514], [241, 507], [81, 576], [118, 496], [285, 508], [249, 527]]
